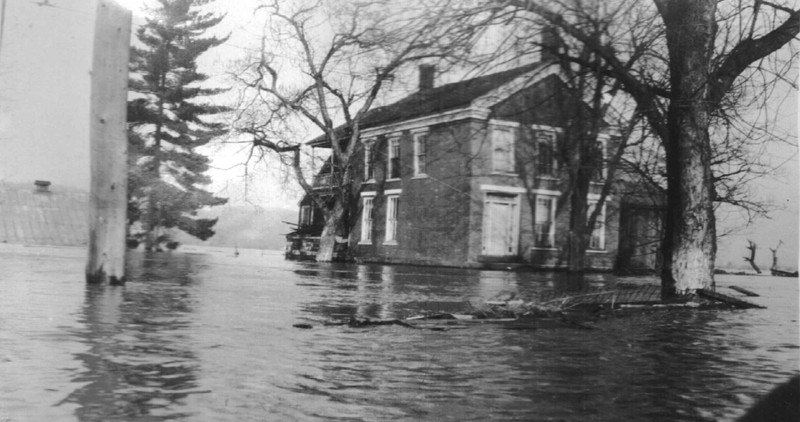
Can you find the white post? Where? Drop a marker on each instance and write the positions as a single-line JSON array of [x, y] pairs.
[[109, 144]]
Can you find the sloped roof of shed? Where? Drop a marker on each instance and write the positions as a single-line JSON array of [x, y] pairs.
[[56, 218], [439, 99]]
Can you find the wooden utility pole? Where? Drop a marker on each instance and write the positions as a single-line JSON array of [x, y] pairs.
[[109, 144]]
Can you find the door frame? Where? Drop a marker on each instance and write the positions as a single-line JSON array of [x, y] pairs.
[[513, 198]]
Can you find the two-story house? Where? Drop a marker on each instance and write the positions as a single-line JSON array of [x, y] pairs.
[[466, 174]]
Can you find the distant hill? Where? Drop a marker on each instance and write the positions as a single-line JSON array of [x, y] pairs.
[[246, 227]]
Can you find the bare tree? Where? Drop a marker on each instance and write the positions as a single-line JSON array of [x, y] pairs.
[[682, 62], [751, 246], [322, 66], [582, 152], [774, 267]]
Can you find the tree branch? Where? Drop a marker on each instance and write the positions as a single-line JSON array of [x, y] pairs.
[[749, 51]]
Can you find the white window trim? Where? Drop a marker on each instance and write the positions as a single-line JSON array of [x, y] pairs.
[[393, 193], [512, 153], [506, 189], [504, 123], [603, 139], [546, 192], [601, 217], [389, 167], [415, 136], [366, 235], [554, 140], [369, 144], [547, 128], [552, 233]]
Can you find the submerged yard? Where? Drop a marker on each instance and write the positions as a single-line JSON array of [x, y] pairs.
[[206, 335]]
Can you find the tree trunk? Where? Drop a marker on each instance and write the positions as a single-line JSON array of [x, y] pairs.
[[153, 198], [690, 238], [150, 241], [327, 240], [578, 236], [774, 266], [578, 140], [751, 246]]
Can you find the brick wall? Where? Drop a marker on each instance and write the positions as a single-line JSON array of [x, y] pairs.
[[540, 105], [441, 215], [433, 214]]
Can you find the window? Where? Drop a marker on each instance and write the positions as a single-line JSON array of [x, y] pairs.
[[503, 150], [600, 160], [369, 160], [420, 153], [544, 229], [325, 178], [366, 220], [306, 215], [394, 158], [545, 154], [598, 240], [392, 204]]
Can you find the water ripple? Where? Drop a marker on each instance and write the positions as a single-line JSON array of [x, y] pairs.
[[196, 337]]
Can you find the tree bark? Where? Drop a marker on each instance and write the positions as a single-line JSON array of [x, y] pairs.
[[774, 266], [581, 136], [751, 246], [578, 230], [327, 240], [690, 230]]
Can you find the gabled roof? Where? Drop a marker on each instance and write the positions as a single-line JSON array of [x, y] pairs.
[[439, 99], [57, 218]]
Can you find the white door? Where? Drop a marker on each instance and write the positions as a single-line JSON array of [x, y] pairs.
[[500, 219]]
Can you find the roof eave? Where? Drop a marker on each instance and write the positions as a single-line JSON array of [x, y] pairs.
[[478, 108]]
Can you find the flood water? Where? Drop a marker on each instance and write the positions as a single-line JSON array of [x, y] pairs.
[[209, 337]]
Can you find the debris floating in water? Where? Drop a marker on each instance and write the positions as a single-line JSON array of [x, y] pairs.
[[580, 309], [744, 291]]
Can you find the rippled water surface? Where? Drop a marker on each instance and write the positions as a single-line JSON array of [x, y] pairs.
[[209, 337]]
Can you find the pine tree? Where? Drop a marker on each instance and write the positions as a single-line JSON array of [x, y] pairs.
[[168, 120]]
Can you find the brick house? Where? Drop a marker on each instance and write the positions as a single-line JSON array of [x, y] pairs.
[[466, 174]]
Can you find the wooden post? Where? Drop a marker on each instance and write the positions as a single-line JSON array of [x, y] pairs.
[[109, 144]]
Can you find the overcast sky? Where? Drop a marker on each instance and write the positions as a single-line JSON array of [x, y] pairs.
[[45, 57]]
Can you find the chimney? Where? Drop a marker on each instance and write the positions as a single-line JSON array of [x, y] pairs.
[[426, 73], [42, 186]]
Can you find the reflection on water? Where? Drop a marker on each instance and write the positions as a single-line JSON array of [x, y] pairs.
[[209, 337], [137, 363]]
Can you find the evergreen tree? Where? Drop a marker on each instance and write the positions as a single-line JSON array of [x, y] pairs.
[[167, 121]]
